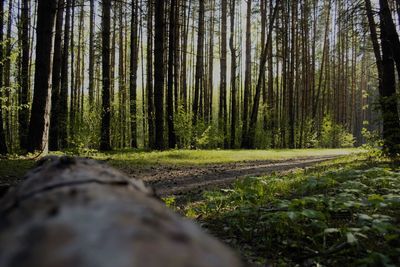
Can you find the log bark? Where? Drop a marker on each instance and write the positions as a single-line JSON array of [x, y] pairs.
[[77, 212]]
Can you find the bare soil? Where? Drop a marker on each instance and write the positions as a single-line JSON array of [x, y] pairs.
[[192, 180]]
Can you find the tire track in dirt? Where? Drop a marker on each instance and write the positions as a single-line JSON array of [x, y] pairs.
[[182, 180]]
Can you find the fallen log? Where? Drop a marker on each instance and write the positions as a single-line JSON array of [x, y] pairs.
[[78, 212]]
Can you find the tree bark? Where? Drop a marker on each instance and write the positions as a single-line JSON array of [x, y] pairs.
[[106, 105], [199, 86], [247, 79], [134, 57], [56, 78], [91, 54], [170, 86], [264, 57], [88, 214], [233, 76], [223, 110], [159, 73], [62, 108], [39, 123], [3, 144], [23, 115]]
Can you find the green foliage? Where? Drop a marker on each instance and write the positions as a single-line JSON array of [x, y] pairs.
[[334, 135], [201, 135], [86, 137], [345, 213]]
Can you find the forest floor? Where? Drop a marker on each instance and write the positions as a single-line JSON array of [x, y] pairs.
[[188, 172]]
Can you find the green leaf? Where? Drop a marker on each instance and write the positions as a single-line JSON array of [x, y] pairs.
[[351, 239], [331, 230]]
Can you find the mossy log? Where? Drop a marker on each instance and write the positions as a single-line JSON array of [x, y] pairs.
[[79, 212]]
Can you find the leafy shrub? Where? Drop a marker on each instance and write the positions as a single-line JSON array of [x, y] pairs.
[[341, 216], [334, 135]]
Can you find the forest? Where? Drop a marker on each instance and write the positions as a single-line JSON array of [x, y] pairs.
[[272, 124], [188, 74]]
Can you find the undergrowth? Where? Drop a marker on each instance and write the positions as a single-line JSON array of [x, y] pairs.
[[343, 212]]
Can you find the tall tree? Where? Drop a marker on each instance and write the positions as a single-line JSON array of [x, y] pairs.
[[159, 73], [7, 76], [91, 53], [199, 76], [39, 123], [149, 78], [233, 76], [386, 72], [56, 79], [134, 57], [106, 105], [62, 108], [23, 115], [247, 79], [171, 77], [256, 101], [223, 112], [3, 145]]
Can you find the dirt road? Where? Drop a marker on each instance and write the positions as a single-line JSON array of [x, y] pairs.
[[182, 180]]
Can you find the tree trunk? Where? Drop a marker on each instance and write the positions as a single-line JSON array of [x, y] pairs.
[[56, 78], [247, 79], [149, 80], [233, 76], [159, 73], [3, 145], [89, 214], [264, 57], [23, 117], [63, 106], [91, 54], [388, 96], [199, 86], [223, 111], [39, 123], [134, 57], [106, 105], [170, 78]]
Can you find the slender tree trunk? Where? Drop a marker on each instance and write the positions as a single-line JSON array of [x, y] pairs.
[[23, 117], [208, 115], [149, 81], [233, 76], [106, 105], [159, 73], [247, 79], [39, 123], [56, 78], [91, 54], [63, 102], [133, 72], [223, 111], [256, 102], [3, 145], [170, 78], [199, 86], [7, 77]]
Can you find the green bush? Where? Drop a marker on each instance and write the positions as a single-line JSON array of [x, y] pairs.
[[334, 135]]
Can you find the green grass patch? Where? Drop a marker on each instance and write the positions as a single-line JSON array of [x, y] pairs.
[[345, 212], [201, 157]]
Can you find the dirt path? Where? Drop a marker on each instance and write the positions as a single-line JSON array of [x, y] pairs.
[[193, 180]]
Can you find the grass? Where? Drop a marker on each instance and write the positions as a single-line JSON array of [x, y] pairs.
[[343, 212], [15, 167], [202, 157]]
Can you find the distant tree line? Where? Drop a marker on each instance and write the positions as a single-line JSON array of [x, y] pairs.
[[197, 74]]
